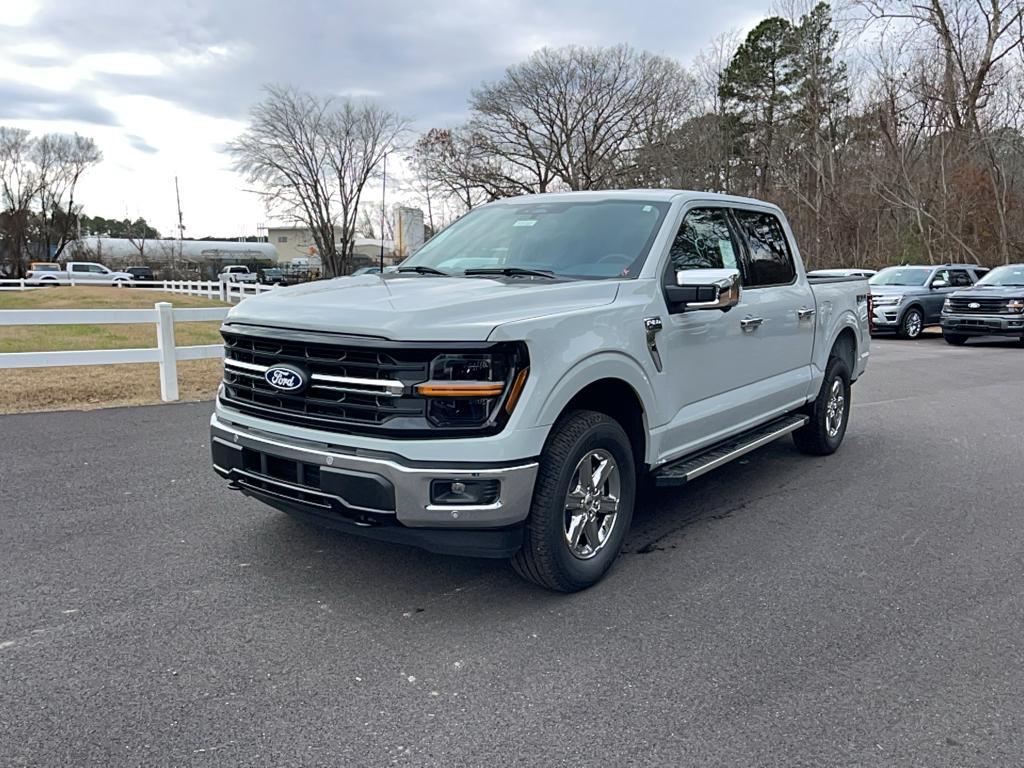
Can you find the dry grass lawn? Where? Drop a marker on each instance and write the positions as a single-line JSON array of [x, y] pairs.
[[36, 389]]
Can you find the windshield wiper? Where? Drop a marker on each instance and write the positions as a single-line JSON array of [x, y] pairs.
[[510, 272], [419, 270]]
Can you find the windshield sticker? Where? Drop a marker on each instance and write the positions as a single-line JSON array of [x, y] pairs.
[[525, 223], [728, 256]]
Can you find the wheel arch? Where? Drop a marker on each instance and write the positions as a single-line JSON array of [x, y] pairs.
[[612, 384], [845, 348]]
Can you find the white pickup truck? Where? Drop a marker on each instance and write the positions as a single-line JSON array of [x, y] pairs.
[[237, 273], [503, 393], [79, 273]]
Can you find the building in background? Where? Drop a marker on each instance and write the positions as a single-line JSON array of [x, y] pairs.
[[296, 243], [407, 225]]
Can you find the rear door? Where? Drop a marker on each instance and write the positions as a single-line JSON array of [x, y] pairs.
[[779, 316], [81, 273]]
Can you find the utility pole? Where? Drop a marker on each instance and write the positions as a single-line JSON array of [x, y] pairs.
[[383, 210], [181, 223]]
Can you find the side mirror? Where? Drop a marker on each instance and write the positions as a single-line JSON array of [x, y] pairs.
[[704, 289], [939, 284]]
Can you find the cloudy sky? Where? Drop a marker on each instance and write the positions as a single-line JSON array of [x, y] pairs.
[[162, 85]]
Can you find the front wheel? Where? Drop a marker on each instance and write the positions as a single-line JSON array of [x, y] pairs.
[[582, 504], [956, 339], [912, 324], [829, 413]]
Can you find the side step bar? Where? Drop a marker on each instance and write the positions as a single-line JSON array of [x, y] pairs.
[[689, 467]]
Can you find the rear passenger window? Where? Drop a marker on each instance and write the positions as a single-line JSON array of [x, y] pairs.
[[704, 241], [770, 261], [959, 277]]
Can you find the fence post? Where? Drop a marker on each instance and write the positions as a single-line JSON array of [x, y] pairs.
[[165, 346], [21, 283]]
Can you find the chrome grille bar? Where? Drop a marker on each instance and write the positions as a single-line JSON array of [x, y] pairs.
[[384, 387]]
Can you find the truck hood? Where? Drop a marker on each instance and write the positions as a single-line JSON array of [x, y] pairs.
[[990, 292], [418, 308]]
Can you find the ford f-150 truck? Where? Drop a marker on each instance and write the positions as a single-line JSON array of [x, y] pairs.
[[993, 307], [503, 392], [80, 272]]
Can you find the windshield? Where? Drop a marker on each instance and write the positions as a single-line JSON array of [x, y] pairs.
[[901, 276], [599, 239], [1011, 275]]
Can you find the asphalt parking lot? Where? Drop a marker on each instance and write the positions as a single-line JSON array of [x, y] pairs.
[[864, 609]]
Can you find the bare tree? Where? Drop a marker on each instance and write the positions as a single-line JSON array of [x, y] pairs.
[[61, 161], [311, 157], [577, 116], [19, 187], [360, 135]]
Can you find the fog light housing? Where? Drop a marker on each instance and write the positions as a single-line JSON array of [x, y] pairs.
[[464, 492]]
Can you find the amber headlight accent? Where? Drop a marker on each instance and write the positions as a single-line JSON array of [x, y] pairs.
[[468, 389]]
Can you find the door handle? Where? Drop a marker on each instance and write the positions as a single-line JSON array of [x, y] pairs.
[[749, 324], [803, 313]]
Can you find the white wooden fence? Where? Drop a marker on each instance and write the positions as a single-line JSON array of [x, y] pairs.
[[163, 315], [212, 289]]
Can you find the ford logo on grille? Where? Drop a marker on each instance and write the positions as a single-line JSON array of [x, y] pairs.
[[286, 378], [974, 305]]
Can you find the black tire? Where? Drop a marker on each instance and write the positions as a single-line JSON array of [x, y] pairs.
[[546, 558], [909, 329], [956, 339], [814, 437]]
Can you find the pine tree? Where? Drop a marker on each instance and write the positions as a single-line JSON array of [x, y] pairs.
[[756, 92]]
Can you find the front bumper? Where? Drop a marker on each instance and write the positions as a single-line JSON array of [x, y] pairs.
[[886, 318], [374, 494], [983, 325]]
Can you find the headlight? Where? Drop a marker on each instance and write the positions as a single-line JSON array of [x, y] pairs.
[[946, 306], [1015, 305], [474, 389], [886, 301]]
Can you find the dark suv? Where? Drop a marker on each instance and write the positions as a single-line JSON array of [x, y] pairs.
[[992, 307], [905, 300]]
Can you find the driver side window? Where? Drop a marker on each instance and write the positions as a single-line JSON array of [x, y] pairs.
[[704, 241]]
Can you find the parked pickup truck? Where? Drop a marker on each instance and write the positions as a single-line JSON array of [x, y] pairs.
[[503, 393], [81, 273], [237, 273], [994, 306]]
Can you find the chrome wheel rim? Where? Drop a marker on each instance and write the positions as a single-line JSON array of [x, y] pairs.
[[913, 324], [835, 409], [592, 504]]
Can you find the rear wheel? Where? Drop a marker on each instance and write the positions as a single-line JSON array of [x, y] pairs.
[[956, 339], [582, 504], [912, 324], [829, 413]]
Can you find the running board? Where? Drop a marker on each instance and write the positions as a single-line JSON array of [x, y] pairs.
[[689, 467]]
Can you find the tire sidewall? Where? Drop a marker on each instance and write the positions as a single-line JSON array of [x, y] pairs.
[[609, 436], [903, 323], [836, 369]]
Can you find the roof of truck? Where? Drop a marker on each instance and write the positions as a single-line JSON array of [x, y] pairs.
[[656, 195]]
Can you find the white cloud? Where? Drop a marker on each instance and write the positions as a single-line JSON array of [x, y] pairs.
[[162, 86], [18, 13]]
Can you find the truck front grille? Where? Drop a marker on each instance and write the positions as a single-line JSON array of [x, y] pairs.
[[982, 306], [353, 388]]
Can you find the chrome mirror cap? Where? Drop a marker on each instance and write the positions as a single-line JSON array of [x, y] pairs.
[[724, 285]]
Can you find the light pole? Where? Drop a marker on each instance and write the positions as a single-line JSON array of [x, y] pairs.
[[383, 210]]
